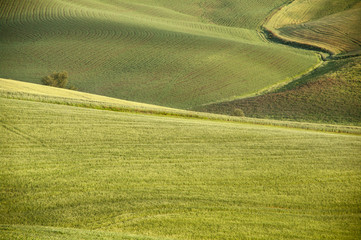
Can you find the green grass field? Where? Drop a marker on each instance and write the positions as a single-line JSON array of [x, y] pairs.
[[333, 25], [171, 178], [11, 89], [331, 93], [55, 233], [171, 53], [138, 162]]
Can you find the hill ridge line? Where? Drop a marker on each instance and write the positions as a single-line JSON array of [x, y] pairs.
[[271, 36], [275, 38], [268, 36], [172, 112]]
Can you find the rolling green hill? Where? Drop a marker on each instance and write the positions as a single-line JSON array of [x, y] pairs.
[[332, 94], [12, 89], [172, 53], [135, 163], [71, 172], [333, 25]]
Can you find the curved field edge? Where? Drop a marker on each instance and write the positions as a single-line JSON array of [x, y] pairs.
[[327, 26], [331, 93], [274, 87], [12, 89], [143, 57], [57, 233]]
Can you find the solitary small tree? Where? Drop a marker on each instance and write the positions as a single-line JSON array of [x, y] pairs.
[[56, 79], [238, 112]]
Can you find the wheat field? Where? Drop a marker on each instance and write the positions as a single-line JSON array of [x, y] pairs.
[[169, 53]]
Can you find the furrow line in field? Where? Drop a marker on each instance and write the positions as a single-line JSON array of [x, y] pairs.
[[120, 51], [328, 27], [21, 133], [315, 36]]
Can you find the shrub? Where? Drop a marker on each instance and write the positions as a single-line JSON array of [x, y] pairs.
[[238, 112], [55, 79]]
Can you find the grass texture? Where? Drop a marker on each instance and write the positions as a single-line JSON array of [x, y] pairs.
[[331, 93], [332, 25], [21, 232], [140, 175], [12, 89], [80, 166], [171, 53]]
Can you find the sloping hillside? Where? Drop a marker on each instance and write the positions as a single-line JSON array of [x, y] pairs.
[[172, 53], [11, 89], [333, 25], [331, 94], [66, 171], [76, 165]]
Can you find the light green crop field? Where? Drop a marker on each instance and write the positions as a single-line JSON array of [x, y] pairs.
[[12, 89], [171, 53], [135, 163], [331, 93], [37, 92], [333, 25], [67, 171]]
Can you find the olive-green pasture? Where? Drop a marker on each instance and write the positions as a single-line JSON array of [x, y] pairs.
[[173, 178]]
